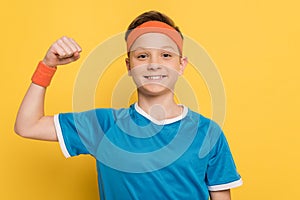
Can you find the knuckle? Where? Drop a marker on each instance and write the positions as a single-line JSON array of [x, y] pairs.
[[59, 41], [54, 47]]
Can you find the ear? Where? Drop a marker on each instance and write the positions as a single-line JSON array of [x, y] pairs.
[[183, 63], [127, 61]]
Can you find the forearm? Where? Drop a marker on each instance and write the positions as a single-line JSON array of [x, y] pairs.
[[220, 195]]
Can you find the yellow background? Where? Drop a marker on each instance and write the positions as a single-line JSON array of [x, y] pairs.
[[254, 43]]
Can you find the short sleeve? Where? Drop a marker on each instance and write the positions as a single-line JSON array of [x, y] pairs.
[[221, 172], [68, 137], [81, 133]]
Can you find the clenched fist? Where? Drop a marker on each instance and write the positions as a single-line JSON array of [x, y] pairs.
[[65, 50]]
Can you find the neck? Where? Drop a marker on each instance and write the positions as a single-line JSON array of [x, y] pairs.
[[159, 107]]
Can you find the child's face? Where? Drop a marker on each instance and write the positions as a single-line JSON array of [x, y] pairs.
[[154, 63]]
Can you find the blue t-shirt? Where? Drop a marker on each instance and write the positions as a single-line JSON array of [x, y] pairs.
[[139, 157]]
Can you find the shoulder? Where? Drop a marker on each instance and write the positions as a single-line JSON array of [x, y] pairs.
[[202, 121], [104, 112], [208, 130], [101, 114]]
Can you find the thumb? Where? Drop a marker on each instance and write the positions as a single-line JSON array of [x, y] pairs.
[[69, 59]]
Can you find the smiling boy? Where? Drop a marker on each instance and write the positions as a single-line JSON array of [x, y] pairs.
[[151, 149]]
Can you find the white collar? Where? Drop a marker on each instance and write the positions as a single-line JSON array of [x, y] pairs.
[[165, 121]]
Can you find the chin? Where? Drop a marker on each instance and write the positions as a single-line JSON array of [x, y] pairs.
[[154, 90]]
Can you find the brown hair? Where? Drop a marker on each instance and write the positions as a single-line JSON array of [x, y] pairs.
[[151, 16]]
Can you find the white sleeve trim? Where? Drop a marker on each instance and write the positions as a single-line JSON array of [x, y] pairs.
[[225, 186], [60, 137]]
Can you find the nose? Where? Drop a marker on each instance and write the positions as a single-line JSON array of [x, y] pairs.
[[154, 63], [153, 66]]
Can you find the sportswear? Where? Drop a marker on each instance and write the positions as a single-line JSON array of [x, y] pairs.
[[139, 157]]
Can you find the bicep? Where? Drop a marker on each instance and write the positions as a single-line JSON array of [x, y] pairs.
[[31, 121], [46, 129], [43, 129], [220, 195]]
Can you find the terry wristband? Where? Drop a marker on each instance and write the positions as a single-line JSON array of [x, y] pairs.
[[43, 74]]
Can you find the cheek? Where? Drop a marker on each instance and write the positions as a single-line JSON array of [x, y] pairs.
[[173, 75], [173, 66], [137, 71], [137, 76], [134, 63]]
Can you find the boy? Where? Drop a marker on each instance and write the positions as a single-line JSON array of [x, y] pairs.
[[151, 149]]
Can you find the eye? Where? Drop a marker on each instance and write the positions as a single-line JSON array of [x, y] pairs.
[[166, 55], [142, 56]]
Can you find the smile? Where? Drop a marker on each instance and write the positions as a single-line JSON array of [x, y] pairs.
[[155, 77]]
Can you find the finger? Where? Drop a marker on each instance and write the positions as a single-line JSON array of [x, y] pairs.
[[76, 45], [70, 44], [58, 50], [67, 50], [69, 60]]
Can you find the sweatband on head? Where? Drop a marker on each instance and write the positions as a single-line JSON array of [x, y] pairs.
[[43, 74], [155, 27]]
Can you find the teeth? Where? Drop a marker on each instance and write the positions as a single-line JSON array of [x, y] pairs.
[[155, 77]]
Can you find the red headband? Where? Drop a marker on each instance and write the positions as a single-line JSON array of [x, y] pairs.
[[155, 27]]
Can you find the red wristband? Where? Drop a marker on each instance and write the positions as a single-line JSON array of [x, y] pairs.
[[43, 74]]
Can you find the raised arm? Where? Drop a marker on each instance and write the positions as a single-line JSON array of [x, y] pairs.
[[31, 121]]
